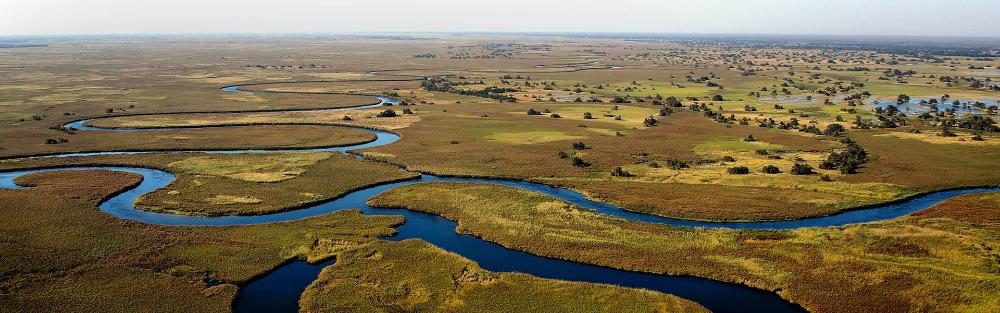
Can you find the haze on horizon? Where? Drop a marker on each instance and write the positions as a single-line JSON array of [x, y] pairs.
[[979, 18]]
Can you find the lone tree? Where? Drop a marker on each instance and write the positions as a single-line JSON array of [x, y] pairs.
[[847, 161], [770, 169], [802, 169]]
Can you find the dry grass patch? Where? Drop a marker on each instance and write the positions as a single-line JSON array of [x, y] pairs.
[[261, 168], [524, 138]]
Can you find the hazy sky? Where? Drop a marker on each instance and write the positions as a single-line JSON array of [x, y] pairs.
[[851, 17]]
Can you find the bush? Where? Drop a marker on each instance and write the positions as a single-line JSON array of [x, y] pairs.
[[53, 141], [533, 112], [562, 154], [579, 145], [347, 118], [587, 115], [649, 122], [387, 113], [834, 130], [578, 162], [718, 98], [847, 161], [619, 172], [728, 159], [676, 164], [407, 111], [802, 169], [554, 115], [739, 170], [770, 169], [749, 138]]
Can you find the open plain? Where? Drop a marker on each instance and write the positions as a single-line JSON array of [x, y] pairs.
[[655, 158]]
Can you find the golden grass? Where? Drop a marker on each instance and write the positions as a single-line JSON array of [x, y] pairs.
[[366, 118], [261, 168], [414, 276], [531, 137], [897, 266]]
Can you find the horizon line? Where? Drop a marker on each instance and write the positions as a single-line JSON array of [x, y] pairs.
[[532, 33]]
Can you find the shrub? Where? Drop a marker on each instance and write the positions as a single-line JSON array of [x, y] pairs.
[[533, 112], [554, 115], [825, 178], [619, 172], [676, 164], [802, 169], [728, 159], [749, 138], [587, 115], [562, 154], [347, 118], [52, 141], [579, 145], [770, 169], [387, 113], [834, 130], [718, 98], [847, 161], [739, 170], [578, 162], [649, 122], [407, 111]]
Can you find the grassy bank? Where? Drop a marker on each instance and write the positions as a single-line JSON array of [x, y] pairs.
[[893, 266]]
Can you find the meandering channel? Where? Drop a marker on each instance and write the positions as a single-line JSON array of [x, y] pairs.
[[280, 290]]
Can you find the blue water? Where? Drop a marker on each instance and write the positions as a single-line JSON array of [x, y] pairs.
[[914, 107], [279, 291]]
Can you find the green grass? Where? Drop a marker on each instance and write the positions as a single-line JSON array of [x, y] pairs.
[[825, 269], [63, 254], [415, 276]]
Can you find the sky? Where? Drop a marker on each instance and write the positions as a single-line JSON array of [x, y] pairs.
[[820, 17]]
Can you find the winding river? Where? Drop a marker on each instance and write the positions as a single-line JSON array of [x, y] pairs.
[[280, 290]]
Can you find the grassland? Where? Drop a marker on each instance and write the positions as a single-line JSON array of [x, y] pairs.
[[97, 263], [68, 256], [64, 254], [242, 184], [911, 264], [414, 276]]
